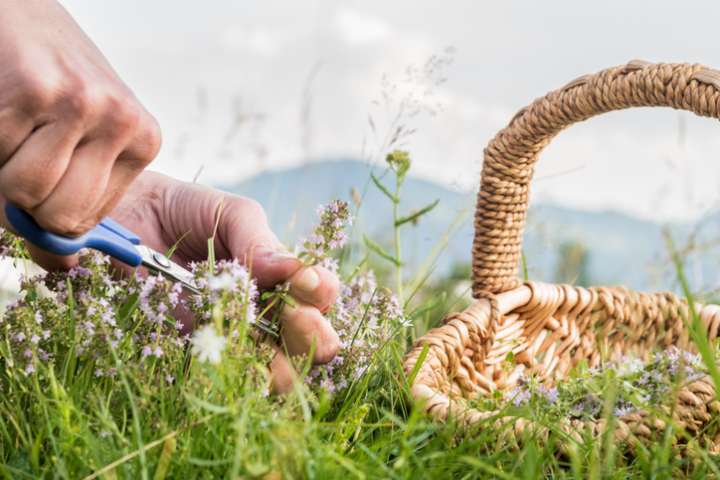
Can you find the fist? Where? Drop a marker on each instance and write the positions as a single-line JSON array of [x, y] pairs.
[[72, 135]]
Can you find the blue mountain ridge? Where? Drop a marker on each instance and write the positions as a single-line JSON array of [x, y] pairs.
[[623, 249]]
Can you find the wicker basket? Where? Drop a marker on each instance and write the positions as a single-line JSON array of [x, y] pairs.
[[550, 328]]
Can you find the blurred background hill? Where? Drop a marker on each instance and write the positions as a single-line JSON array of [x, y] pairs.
[[561, 243]]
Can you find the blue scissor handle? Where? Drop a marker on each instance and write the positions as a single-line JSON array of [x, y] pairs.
[[108, 237]]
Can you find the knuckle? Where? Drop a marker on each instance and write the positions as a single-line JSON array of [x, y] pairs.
[[122, 114], [78, 101], [251, 209], [35, 93], [147, 139], [151, 135]]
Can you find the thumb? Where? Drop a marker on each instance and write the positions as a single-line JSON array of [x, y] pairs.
[[248, 237], [271, 265]]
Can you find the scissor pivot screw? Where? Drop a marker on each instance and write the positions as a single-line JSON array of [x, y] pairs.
[[161, 259]]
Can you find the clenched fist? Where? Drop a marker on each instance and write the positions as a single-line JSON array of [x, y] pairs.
[[72, 135]]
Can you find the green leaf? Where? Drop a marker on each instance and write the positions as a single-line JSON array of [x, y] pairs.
[[414, 216], [380, 251], [384, 189], [128, 307], [418, 364], [267, 294], [205, 405]]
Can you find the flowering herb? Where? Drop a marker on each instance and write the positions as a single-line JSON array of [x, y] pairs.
[[639, 385], [329, 234], [365, 317], [11, 246], [135, 320], [225, 287]]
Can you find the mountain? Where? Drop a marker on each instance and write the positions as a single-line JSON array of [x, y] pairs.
[[621, 249]]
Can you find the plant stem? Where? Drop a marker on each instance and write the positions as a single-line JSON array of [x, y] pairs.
[[396, 227]]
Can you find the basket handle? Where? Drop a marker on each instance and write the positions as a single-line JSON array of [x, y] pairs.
[[509, 158]]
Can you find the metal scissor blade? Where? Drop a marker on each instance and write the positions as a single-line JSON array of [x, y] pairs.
[[267, 327], [159, 263]]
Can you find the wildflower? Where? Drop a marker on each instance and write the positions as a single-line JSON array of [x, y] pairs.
[[550, 394], [329, 234], [207, 345], [520, 396], [623, 410], [588, 406], [389, 308], [224, 281], [228, 285], [11, 246], [629, 366]]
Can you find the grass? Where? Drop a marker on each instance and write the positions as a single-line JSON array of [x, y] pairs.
[[217, 421]]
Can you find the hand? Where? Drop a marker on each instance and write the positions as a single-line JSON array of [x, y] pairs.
[[162, 211], [72, 135]]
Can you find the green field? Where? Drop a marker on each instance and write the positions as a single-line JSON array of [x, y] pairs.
[[98, 381]]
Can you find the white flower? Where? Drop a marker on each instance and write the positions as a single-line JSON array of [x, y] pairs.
[[207, 345], [224, 281], [629, 366]]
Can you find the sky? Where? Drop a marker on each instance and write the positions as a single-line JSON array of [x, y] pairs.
[[241, 86]]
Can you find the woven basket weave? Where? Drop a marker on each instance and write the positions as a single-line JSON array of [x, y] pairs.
[[550, 328]]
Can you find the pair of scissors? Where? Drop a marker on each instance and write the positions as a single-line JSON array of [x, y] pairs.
[[110, 238]]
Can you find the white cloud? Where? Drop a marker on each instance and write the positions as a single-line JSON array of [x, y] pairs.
[[358, 28], [257, 40]]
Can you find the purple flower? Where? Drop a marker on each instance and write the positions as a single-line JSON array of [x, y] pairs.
[[623, 410], [550, 394], [519, 395], [329, 234]]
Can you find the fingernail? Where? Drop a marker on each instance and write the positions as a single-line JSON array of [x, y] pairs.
[[307, 280], [274, 255]]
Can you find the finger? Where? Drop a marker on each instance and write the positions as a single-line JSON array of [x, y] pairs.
[[283, 374], [316, 286], [45, 259], [15, 128], [304, 328], [49, 261], [244, 226], [250, 238], [70, 208], [141, 151], [32, 173]]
